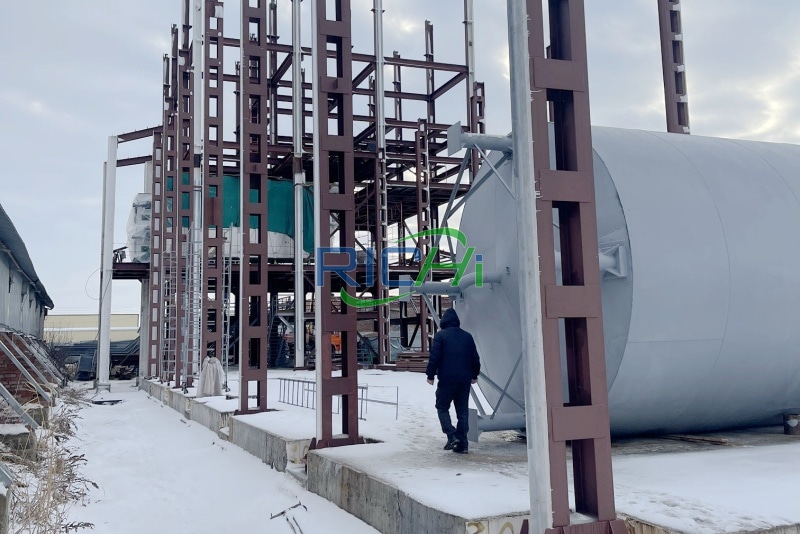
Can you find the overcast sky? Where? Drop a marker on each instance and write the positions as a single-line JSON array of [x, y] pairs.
[[75, 72]]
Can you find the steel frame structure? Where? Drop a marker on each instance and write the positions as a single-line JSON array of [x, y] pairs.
[[366, 182], [387, 181]]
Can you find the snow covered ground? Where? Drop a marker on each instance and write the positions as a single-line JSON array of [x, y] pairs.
[[157, 470]]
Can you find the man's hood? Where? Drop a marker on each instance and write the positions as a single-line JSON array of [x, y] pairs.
[[450, 319]]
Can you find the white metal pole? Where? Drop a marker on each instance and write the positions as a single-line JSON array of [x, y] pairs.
[[380, 62], [144, 309], [198, 66], [529, 275], [318, 289], [237, 244], [299, 182], [107, 267], [469, 47]]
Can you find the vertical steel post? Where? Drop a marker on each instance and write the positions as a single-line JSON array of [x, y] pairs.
[[473, 110], [153, 297], [381, 188], [421, 141], [167, 255], [334, 190], [253, 298], [145, 308], [185, 163], [299, 184], [529, 281], [213, 228], [566, 187], [107, 266], [195, 265], [673, 66]]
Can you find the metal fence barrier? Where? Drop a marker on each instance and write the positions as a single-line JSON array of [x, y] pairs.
[[303, 393]]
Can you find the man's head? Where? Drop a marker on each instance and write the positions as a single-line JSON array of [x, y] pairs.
[[450, 319]]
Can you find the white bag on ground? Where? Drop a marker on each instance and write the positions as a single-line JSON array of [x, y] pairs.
[[211, 378]]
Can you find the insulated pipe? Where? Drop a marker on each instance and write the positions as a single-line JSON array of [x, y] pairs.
[[530, 310], [315, 106], [196, 306], [107, 267], [380, 62], [458, 139], [469, 49], [299, 182], [447, 288]]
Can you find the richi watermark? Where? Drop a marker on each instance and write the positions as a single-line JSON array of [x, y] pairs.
[[325, 256]]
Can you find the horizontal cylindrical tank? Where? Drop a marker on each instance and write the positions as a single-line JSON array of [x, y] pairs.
[[701, 281]]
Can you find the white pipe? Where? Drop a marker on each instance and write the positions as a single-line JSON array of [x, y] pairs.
[[469, 49], [446, 288], [299, 182], [315, 103], [196, 248], [380, 63], [107, 266], [529, 277]]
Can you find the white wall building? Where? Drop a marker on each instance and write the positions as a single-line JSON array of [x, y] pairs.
[[23, 299]]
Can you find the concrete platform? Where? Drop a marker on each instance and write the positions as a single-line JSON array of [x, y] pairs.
[[663, 485]]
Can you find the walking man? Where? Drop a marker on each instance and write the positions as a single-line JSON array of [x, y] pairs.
[[454, 358]]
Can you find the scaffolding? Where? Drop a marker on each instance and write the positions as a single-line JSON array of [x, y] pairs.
[[381, 173]]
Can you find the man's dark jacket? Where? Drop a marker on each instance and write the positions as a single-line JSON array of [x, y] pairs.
[[454, 356]]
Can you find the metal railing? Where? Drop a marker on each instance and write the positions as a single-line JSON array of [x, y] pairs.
[[303, 393]]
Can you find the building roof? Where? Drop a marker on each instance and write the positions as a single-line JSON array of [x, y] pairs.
[[12, 244]]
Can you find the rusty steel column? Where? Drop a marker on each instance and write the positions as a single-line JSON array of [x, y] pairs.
[[168, 326], [334, 194], [185, 163], [156, 253], [423, 219], [213, 170], [673, 65], [381, 190], [566, 186], [253, 296]]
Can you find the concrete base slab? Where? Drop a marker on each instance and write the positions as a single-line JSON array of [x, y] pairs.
[[407, 486]]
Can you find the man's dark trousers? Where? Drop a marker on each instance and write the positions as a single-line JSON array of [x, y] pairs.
[[458, 394]]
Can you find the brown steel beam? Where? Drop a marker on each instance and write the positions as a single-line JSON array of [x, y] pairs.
[[673, 66], [573, 300], [138, 160], [336, 198], [449, 84], [253, 298], [138, 134], [183, 202], [282, 69], [164, 253], [213, 225], [155, 317]]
